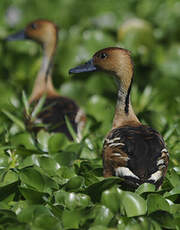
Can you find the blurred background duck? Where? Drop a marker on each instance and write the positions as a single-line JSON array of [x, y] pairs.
[[55, 108], [131, 150]]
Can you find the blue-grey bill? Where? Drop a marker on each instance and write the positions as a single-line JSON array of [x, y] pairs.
[[87, 67], [17, 36]]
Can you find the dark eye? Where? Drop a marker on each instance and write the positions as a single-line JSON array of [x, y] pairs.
[[102, 55], [34, 26]]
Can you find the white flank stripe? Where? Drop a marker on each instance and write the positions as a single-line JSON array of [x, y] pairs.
[[124, 171], [116, 154], [119, 155], [112, 140], [156, 176], [116, 144], [159, 162], [164, 150]]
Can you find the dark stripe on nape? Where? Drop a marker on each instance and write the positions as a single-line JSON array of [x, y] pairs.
[[49, 69], [126, 108]]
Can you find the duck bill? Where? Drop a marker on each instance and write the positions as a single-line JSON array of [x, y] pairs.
[[17, 36], [87, 67]]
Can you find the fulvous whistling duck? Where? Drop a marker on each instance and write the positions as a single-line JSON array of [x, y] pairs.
[[56, 107], [131, 150]]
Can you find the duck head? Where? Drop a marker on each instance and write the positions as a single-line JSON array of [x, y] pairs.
[[114, 60], [41, 31]]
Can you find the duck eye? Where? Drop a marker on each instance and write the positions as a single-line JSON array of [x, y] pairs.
[[103, 55], [34, 26]]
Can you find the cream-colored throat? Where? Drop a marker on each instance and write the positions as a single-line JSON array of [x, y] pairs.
[[124, 113], [43, 83]]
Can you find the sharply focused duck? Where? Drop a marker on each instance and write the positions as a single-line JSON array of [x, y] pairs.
[[56, 107], [131, 150]]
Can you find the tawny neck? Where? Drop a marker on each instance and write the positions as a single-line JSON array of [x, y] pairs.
[[124, 114], [43, 83]]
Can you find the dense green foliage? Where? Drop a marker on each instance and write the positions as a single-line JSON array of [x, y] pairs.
[[56, 184]]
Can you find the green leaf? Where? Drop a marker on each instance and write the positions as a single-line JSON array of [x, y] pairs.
[[175, 210], [110, 198], [43, 138], [23, 139], [57, 142], [71, 219], [71, 130], [7, 216], [132, 204], [102, 215], [26, 103], [32, 196], [156, 202], [29, 213], [66, 158], [173, 177], [37, 181], [74, 183], [174, 191], [165, 219], [146, 187], [138, 223], [95, 190], [98, 227], [72, 201], [8, 189], [8, 177], [47, 222], [128, 203], [38, 107], [14, 119], [49, 165]]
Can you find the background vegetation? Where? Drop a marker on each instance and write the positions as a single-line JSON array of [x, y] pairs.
[[57, 184]]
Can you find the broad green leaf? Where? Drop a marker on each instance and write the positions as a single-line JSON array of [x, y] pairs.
[[32, 196], [98, 227], [175, 210], [146, 187], [65, 158], [66, 172], [31, 212], [138, 223], [95, 190], [128, 203], [71, 219], [173, 177], [110, 198], [8, 189], [49, 165], [8, 177], [47, 222], [23, 139], [102, 215], [156, 202], [43, 138], [174, 191], [37, 181], [72, 201], [74, 183], [57, 142], [132, 204], [165, 219], [7, 216]]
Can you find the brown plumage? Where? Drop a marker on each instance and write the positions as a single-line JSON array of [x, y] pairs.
[[56, 107], [131, 150]]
